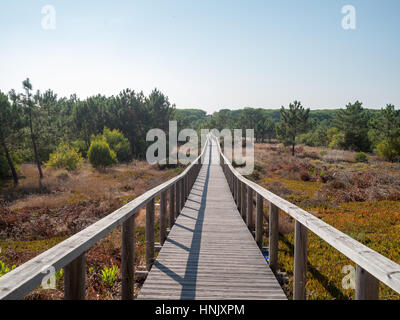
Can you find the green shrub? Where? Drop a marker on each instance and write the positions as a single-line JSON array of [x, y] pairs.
[[323, 153], [389, 149], [118, 143], [4, 269], [360, 157], [109, 275], [81, 146], [65, 157], [100, 154], [337, 141]]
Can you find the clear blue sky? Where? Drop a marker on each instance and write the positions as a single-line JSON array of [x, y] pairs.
[[208, 54]]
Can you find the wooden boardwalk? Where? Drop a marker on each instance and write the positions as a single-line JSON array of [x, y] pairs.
[[210, 253]]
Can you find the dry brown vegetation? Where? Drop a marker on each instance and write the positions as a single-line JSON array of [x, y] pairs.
[[340, 178], [34, 218], [359, 199]]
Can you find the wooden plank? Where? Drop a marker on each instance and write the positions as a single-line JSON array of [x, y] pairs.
[[210, 252], [74, 279], [380, 267], [259, 221], [171, 206], [367, 286], [249, 209], [163, 217], [178, 200], [149, 234], [273, 236], [243, 200], [128, 258], [26, 277], [300, 261]]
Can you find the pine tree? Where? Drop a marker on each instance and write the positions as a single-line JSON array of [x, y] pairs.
[[294, 121], [353, 122], [11, 122]]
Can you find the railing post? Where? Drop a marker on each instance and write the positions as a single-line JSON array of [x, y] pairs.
[[187, 186], [128, 258], [185, 179], [182, 193], [300, 261], [273, 224], [367, 286], [149, 234], [259, 220], [163, 217], [74, 279], [172, 206], [177, 199], [239, 194], [243, 200], [249, 208], [234, 193], [234, 190]]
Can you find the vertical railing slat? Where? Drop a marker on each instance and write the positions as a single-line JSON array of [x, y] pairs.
[[273, 224], [249, 209], [259, 220], [243, 200], [163, 217], [172, 206], [367, 286], [300, 261], [149, 234], [75, 278], [128, 258]]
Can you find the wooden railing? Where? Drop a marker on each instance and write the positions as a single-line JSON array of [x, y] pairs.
[[371, 268], [70, 254]]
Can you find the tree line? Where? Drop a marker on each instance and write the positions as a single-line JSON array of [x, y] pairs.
[[351, 128], [34, 125]]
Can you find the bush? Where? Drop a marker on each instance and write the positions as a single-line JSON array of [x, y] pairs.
[[389, 149], [81, 146], [360, 157], [337, 141], [118, 143], [100, 154], [65, 157]]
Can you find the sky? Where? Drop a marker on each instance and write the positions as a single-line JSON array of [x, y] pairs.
[[208, 54]]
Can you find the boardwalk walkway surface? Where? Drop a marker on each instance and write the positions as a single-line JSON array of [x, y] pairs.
[[210, 253]]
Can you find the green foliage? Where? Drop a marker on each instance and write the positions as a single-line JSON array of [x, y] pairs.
[[81, 147], [109, 275], [389, 149], [323, 153], [118, 143], [360, 157], [100, 154], [353, 122], [5, 170], [294, 121], [337, 141], [315, 138], [65, 157], [4, 269]]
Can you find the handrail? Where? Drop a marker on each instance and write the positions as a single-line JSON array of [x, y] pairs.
[[370, 264], [25, 278]]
